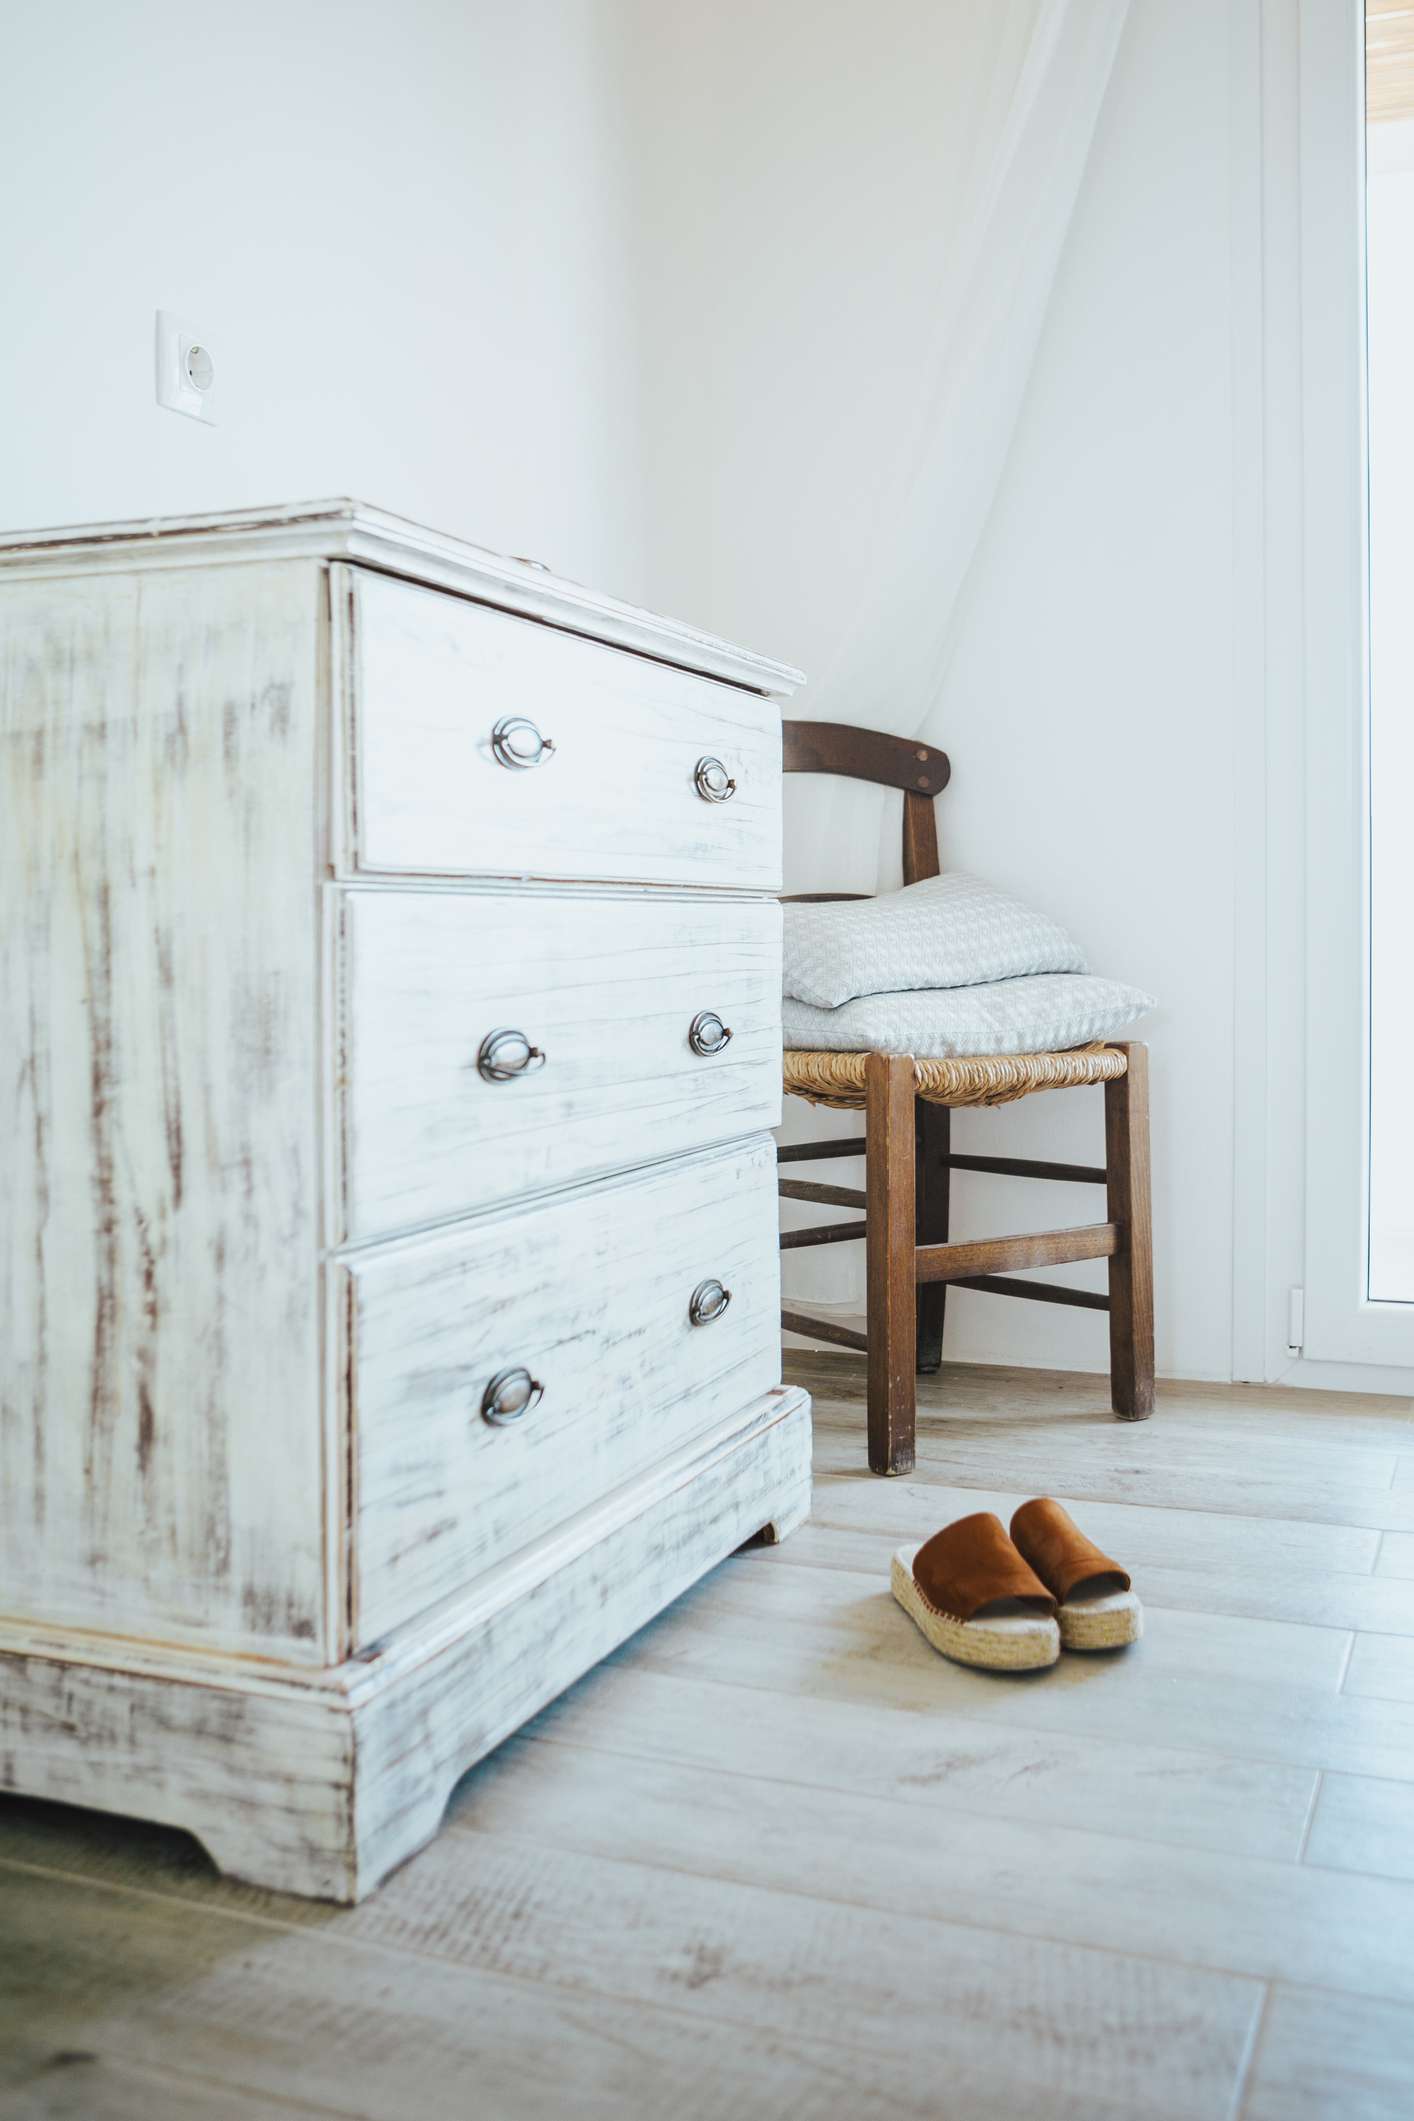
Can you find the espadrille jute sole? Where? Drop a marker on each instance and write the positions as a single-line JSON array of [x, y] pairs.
[[1003, 1642], [1105, 1623]]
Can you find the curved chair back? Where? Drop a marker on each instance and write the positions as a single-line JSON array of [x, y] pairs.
[[892, 761]]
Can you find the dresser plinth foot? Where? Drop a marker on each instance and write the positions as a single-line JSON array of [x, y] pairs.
[[321, 1782]]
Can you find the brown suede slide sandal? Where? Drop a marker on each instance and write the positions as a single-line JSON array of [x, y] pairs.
[[1095, 1607], [975, 1599]]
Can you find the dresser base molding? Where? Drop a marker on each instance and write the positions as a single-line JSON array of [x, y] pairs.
[[321, 1782]]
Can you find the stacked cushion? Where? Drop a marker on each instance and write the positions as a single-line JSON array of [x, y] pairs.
[[1043, 1014], [944, 968], [948, 931]]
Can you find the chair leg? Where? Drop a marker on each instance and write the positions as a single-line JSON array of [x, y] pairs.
[[932, 1135], [889, 1246], [1132, 1266]]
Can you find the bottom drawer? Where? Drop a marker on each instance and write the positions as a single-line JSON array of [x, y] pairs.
[[593, 1296]]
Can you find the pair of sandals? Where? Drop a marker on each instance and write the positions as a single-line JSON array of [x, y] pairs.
[[1012, 1604]]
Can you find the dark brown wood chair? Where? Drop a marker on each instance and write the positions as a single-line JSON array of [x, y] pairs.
[[906, 1144]]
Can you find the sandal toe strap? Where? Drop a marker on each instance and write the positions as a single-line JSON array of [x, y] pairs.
[[971, 1565], [1059, 1552]]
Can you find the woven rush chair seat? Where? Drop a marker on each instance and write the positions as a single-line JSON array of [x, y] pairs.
[[837, 1080]]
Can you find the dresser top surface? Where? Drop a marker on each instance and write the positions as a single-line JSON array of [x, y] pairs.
[[351, 530]]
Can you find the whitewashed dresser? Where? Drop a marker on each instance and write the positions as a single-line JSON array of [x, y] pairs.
[[388, 1271]]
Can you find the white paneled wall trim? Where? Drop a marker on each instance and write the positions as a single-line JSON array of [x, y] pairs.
[[1299, 1084]]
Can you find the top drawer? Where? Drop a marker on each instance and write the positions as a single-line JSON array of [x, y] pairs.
[[640, 750]]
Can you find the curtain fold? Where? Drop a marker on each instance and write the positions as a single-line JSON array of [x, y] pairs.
[[887, 668], [995, 271]]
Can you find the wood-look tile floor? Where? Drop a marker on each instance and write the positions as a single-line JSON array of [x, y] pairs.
[[777, 1859]]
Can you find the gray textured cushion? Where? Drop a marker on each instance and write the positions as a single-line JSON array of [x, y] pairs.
[[1043, 1014], [949, 931]]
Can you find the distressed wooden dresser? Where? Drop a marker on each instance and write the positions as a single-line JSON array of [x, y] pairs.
[[388, 1275]]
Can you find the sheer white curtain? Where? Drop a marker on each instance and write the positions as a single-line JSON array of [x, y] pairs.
[[994, 265], [997, 244]]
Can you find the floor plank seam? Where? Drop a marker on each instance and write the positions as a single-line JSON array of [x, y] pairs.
[[953, 1920], [953, 1806], [879, 1656], [1359, 1463], [1047, 1472], [1311, 1818], [1200, 1755], [1247, 2072], [1355, 1870], [80, 1881], [1079, 1503], [843, 1418], [1130, 1954], [170, 2076], [535, 1984]]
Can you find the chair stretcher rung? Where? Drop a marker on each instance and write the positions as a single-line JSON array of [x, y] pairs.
[[1041, 1292], [1031, 1167], [815, 1152], [1042, 1248], [831, 1196], [824, 1329], [822, 1234]]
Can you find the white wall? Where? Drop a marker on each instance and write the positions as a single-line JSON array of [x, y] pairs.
[[652, 292], [797, 161], [400, 228]]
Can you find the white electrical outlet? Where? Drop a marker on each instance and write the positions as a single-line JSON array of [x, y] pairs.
[[186, 371]]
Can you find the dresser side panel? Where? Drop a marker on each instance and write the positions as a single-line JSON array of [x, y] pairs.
[[161, 1457]]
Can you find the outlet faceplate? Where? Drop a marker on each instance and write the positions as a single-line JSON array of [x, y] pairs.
[[186, 369]]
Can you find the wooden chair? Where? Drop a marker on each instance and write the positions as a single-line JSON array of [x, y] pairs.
[[907, 1104]]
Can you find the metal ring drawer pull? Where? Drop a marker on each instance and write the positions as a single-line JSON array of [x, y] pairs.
[[517, 742], [504, 1055], [707, 1033], [714, 784], [510, 1396], [707, 1301]]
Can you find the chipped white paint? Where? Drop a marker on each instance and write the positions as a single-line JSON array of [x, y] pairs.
[[606, 988], [158, 1108], [232, 1430]]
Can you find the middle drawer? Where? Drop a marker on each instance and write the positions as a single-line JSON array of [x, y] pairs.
[[492, 1045]]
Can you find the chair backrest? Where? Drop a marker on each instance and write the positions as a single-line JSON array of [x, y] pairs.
[[894, 762]]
